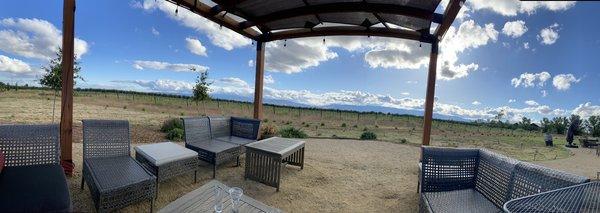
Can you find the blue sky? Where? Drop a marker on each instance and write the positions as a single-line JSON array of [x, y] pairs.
[[534, 59]]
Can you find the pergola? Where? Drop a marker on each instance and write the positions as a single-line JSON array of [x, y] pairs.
[[270, 20]]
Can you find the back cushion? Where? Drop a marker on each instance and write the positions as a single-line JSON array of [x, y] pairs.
[[494, 175], [531, 179], [220, 127], [448, 169]]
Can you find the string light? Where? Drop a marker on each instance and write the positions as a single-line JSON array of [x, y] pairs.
[[285, 42], [323, 40], [419, 44], [177, 10]]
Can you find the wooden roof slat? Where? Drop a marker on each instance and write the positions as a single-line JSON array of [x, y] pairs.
[[228, 22], [349, 31], [450, 14], [342, 7]]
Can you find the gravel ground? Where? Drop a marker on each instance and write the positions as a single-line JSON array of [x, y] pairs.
[[339, 176]]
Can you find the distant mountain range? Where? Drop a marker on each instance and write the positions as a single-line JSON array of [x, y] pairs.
[[367, 108]]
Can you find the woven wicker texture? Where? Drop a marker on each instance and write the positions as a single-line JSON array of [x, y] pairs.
[[25, 145], [582, 198], [114, 178], [104, 138], [220, 126], [492, 176], [245, 128]]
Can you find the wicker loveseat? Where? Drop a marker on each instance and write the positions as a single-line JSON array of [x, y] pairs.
[[33, 180], [478, 180], [219, 139]]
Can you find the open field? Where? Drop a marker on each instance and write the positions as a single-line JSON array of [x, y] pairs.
[[340, 175], [146, 113]]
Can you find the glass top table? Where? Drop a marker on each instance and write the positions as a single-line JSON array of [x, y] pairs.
[[579, 198]]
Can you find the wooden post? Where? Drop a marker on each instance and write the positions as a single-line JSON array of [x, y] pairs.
[[66, 112], [258, 80], [429, 99]]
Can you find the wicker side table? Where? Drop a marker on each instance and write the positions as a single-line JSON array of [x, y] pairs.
[[167, 160], [265, 158]]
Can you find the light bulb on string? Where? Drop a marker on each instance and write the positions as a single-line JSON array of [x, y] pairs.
[[285, 42]]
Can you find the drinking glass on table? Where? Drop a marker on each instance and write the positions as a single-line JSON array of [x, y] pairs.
[[236, 194], [218, 198]]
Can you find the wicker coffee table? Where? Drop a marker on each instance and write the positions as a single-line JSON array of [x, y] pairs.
[[167, 160], [265, 158], [203, 200]]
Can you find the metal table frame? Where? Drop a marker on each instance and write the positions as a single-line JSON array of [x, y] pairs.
[[579, 198]]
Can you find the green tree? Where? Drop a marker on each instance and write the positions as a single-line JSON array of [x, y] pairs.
[[594, 125], [546, 125], [525, 124], [53, 76], [560, 124], [3, 86], [201, 89]]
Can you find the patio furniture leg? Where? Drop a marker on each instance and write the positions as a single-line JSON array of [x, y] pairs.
[[214, 170], [196, 176], [156, 194], [82, 182], [238, 160], [151, 205]]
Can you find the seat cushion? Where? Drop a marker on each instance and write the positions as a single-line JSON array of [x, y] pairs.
[[113, 173], [235, 140], [162, 153], [214, 146], [39, 188], [465, 200]]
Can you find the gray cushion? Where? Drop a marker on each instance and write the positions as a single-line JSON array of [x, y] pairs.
[[161, 153], [464, 201]]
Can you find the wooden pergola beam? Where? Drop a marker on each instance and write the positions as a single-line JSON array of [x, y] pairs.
[[66, 111], [349, 31], [258, 80], [225, 21], [430, 94], [450, 14], [340, 8]]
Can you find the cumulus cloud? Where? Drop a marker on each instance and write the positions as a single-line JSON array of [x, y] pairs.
[[526, 45], [155, 32], [251, 63], [544, 93], [34, 38], [296, 56], [514, 29], [564, 81], [511, 100], [549, 35], [531, 103], [405, 93], [162, 85], [159, 65], [586, 110], [195, 46], [221, 37], [476, 103], [531, 79], [514, 7], [269, 79]]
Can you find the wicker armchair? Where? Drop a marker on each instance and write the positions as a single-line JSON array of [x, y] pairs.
[[33, 180], [477, 180], [114, 178], [198, 138]]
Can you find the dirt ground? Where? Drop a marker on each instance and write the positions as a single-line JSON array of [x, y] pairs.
[[339, 176]]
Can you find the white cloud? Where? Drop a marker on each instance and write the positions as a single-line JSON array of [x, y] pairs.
[[159, 65], [531, 103], [564, 81], [233, 81], [526, 45], [296, 56], [511, 100], [514, 7], [549, 35], [34, 38], [269, 79], [163, 85], [586, 110], [14, 66], [476, 103], [405, 93], [195, 46], [251, 63], [531, 79], [514, 29], [221, 37], [544, 93], [155, 32]]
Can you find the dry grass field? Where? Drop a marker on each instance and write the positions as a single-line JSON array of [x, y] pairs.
[[340, 175]]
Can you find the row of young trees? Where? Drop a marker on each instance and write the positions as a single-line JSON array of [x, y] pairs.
[[556, 125]]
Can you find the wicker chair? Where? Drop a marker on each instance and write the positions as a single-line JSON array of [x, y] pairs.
[[477, 180], [33, 180], [240, 131], [198, 138], [114, 178]]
